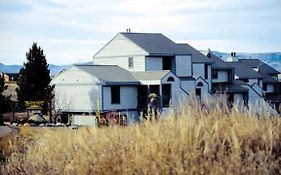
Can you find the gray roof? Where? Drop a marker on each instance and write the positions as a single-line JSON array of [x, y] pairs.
[[150, 75], [263, 67], [197, 56], [236, 86], [111, 74], [156, 44], [243, 71], [269, 79], [218, 62]]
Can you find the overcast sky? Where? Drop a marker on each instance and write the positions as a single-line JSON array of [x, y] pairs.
[[73, 31]]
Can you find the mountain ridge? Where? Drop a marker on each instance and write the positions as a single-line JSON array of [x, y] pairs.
[[271, 58]]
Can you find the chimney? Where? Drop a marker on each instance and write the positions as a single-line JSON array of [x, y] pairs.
[[232, 57]]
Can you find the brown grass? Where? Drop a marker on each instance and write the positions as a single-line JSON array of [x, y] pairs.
[[194, 141]]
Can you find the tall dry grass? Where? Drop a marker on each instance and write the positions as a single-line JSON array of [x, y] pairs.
[[195, 140]]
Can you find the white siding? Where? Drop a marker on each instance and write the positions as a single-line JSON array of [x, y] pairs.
[[139, 62], [120, 46], [222, 77], [198, 70], [128, 98], [76, 91], [177, 94], [188, 86], [154, 63], [204, 89], [209, 72], [255, 94], [252, 81], [239, 100], [183, 66]]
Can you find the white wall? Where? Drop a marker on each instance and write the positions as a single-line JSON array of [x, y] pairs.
[[252, 81], [222, 77], [188, 86], [177, 94], [76, 91], [239, 100], [120, 46], [128, 98], [198, 70], [204, 90], [183, 66], [255, 95], [153, 63], [139, 62]]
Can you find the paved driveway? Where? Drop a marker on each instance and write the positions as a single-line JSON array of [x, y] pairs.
[[4, 130]]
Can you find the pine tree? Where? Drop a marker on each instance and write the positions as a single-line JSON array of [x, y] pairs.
[[4, 100], [34, 78]]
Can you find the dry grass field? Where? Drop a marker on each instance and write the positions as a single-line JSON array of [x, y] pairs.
[[212, 140]]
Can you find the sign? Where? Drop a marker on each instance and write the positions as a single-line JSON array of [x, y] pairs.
[[34, 105]]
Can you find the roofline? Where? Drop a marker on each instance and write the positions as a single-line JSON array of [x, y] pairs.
[[110, 83], [113, 39], [167, 54]]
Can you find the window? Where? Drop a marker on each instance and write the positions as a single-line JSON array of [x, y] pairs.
[[131, 62], [115, 94], [200, 84], [170, 79], [167, 63], [214, 74], [206, 71]]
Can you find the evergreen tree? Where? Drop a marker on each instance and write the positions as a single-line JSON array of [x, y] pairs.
[[4, 100], [34, 78]]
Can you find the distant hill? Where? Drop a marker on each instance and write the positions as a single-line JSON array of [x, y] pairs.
[[272, 58], [54, 69]]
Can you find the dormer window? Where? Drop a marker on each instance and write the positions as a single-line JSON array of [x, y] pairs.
[[131, 62]]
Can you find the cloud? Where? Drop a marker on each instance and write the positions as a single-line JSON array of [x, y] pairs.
[[73, 30]]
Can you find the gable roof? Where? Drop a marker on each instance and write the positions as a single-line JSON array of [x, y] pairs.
[[110, 74], [197, 56], [150, 75], [263, 67], [243, 71], [156, 44]]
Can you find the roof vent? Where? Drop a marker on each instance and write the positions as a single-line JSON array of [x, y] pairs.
[[128, 30]]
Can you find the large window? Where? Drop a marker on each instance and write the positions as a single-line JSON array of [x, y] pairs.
[[131, 62], [115, 94]]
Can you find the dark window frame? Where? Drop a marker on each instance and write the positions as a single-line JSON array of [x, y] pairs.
[[206, 71], [264, 87], [115, 94], [215, 74], [131, 62]]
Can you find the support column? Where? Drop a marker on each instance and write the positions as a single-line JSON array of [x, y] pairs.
[[161, 96]]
